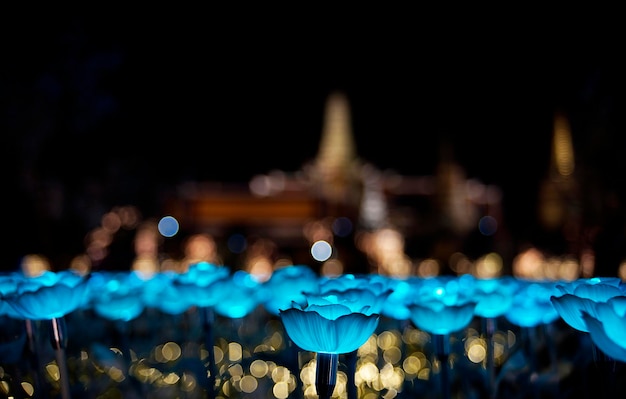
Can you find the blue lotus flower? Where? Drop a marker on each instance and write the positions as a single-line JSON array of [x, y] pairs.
[[329, 328], [117, 295], [531, 305], [199, 282], [441, 306], [439, 318], [577, 297], [160, 292], [48, 296], [397, 303], [363, 293], [288, 284], [449, 290], [51, 296], [494, 296], [239, 295]]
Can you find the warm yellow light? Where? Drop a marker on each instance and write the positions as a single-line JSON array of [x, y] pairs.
[[367, 372], [281, 390], [388, 339], [170, 351], [53, 371], [188, 382], [412, 364], [489, 266], [280, 374], [259, 368], [562, 146], [28, 388], [392, 355], [235, 352], [171, 379], [34, 265], [428, 268], [248, 384]]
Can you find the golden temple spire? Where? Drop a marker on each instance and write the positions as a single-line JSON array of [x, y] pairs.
[[558, 195], [335, 161], [562, 161], [337, 149]]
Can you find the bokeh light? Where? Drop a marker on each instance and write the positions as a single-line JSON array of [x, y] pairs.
[[168, 226]]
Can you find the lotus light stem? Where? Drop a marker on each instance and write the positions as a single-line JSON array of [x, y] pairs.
[[490, 329], [326, 374], [58, 339], [208, 318], [442, 351]]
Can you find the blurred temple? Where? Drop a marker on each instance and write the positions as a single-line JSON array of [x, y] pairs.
[[377, 221], [373, 220]]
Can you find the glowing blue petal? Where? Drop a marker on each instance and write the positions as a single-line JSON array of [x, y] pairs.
[[202, 274], [596, 292], [8, 284], [359, 300], [571, 307], [374, 283], [240, 295], [602, 340], [199, 281], [531, 312], [312, 332], [442, 319], [158, 292], [309, 330], [493, 304], [613, 324], [119, 306], [396, 304], [173, 300], [289, 284], [116, 295], [619, 305], [321, 299], [354, 330], [330, 311], [494, 296], [47, 278], [201, 295], [339, 283], [7, 310], [531, 304], [48, 302]]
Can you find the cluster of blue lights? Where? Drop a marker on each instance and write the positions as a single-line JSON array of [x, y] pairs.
[[332, 318]]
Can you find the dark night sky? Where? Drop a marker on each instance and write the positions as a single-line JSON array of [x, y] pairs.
[[115, 101]]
